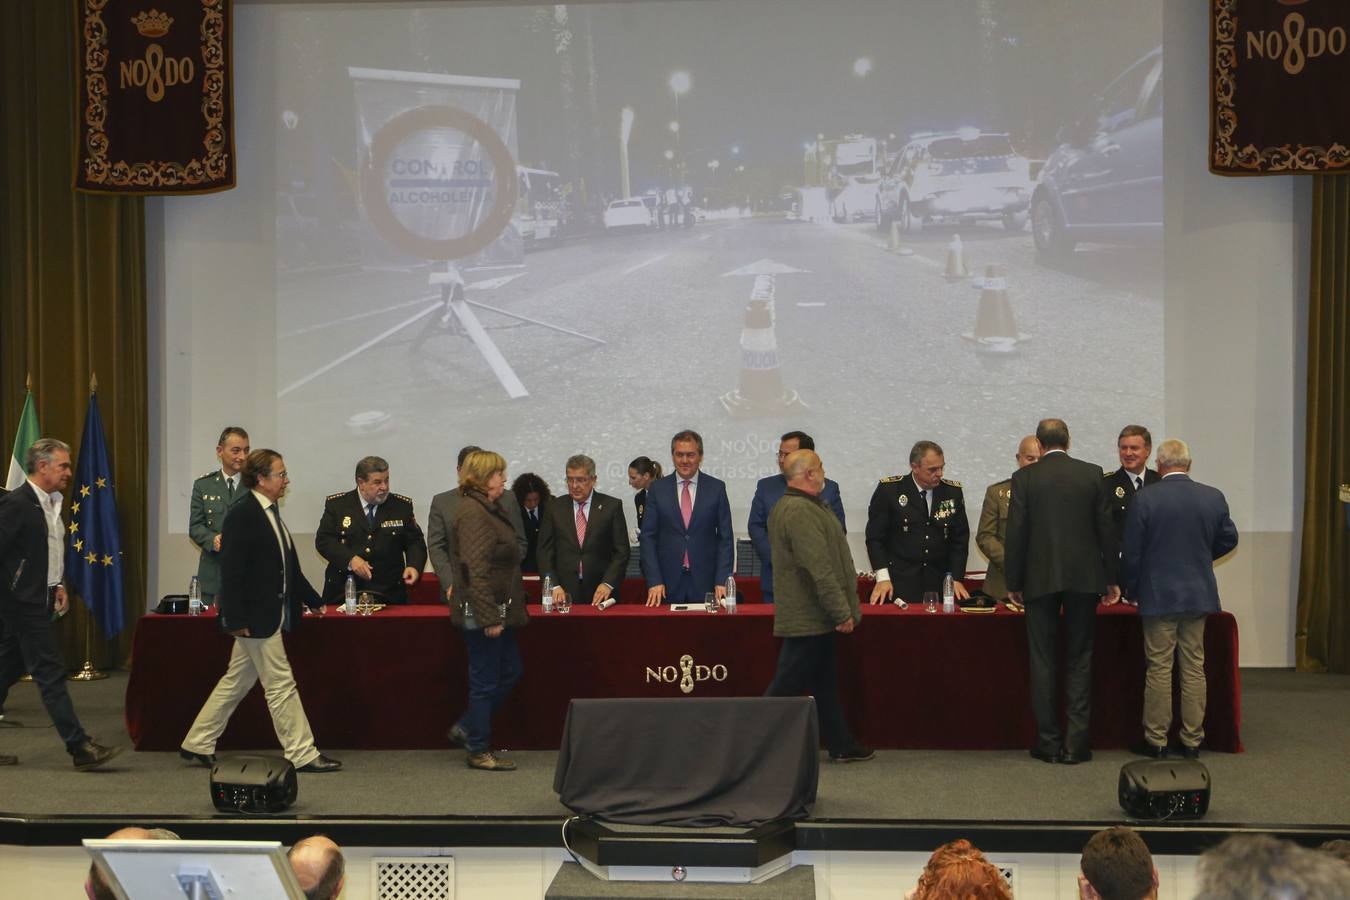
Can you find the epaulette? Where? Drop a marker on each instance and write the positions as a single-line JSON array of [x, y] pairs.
[[950, 483], [337, 495], [1007, 480], [403, 497], [891, 478], [1110, 474], [208, 474]]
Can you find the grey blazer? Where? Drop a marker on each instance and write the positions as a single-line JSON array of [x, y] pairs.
[[441, 532]]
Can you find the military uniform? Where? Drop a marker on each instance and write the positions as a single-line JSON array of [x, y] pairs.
[[1120, 490], [990, 534], [212, 498], [395, 543], [916, 547]]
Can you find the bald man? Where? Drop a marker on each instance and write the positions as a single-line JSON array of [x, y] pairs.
[[319, 867], [994, 520], [95, 888]]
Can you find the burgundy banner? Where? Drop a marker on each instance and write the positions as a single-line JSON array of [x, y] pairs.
[[1278, 76], [155, 100]]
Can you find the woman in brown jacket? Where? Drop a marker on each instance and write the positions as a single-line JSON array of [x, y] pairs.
[[488, 603]]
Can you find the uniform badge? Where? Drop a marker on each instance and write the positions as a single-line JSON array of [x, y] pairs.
[[904, 499], [1120, 492], [346, 521]]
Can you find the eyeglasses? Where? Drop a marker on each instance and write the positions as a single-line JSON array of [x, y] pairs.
[[283, 475], [580, 479]]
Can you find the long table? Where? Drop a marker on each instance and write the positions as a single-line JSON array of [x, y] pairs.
[[909, 679]]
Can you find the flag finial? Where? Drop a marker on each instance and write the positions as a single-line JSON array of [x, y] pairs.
[[28, 383], [93, 383]]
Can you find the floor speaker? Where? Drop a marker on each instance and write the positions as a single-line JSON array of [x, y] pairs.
[[1164, 789], [253, 784]]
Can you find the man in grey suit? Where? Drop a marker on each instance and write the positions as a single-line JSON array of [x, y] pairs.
[[1174, 531], [1060, 551], [583, 538], [441, 528]]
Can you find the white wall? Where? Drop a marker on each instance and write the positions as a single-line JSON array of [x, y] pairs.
[[1236, 288]]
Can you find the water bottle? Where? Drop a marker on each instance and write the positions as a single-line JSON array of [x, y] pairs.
[[730, 602], [195, 596], [546, 595], [948, 594], [349, 596]]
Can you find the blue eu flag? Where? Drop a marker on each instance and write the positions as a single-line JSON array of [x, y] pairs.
[[94, 552]]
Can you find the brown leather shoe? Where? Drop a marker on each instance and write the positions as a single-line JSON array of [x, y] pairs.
[[490, 762], [92, 755]]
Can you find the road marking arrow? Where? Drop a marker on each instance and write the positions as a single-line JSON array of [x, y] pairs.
[[765, 267]]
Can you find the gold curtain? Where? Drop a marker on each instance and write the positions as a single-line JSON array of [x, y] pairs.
[[72, 290], [1322, 639]]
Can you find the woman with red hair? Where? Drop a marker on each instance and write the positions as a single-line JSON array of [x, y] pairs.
[[959, 871]]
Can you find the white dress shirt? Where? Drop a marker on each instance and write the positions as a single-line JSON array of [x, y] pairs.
[[56, 533]]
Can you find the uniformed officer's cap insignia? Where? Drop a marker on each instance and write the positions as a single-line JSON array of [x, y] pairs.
[[1120, 491], [904, 499], [346, 521]]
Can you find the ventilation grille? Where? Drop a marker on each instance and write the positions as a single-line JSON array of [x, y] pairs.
[[414, 878]]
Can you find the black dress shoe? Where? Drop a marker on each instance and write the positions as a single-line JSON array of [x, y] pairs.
[[8, 760], [1046, 756], [321, 764], [91, 755], [1152, 751], [1074, 757], [856, 753], [458, 736], [206, 759], [1189, 752]]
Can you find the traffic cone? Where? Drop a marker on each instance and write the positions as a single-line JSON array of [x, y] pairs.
[[761, 391], [995, 327], [956, 260], [894, 245]]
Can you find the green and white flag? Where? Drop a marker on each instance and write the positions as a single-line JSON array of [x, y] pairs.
[[24, 437]]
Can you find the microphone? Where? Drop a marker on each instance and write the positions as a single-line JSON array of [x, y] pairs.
[[606, 604]]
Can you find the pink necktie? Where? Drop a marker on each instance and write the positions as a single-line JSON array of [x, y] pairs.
[[581, 533], [686, 512]]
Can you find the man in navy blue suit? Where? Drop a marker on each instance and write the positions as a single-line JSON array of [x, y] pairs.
[[1174, 531], [687, 542], [768, 492]]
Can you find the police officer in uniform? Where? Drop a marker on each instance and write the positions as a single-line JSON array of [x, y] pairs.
[[370, 534], [212, 496], [917, 530], [1133, 446]]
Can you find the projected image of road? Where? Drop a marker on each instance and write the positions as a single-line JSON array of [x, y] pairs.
[[579, 228]]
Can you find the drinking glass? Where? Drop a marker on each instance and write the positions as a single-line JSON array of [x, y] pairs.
[[930, 601], [710, 602], [564, 605]]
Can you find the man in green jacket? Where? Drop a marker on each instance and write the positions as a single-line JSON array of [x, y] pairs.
[[816, 596]]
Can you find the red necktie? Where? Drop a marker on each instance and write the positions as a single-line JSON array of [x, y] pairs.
[[686, 513]]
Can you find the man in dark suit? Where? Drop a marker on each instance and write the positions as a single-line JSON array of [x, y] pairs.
[[1133, 445], [212, 496], [32, 565], [1060, 551], [1174, 532], [768, 492], [583, 538], [917, 530], [371, 535], [687, 543], [262, 594], [441, 527]]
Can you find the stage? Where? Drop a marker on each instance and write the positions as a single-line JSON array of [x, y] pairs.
[[1289, 780]]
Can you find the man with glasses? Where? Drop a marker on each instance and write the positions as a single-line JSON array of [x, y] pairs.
[[768, 492], [583, 538], [261, 594]]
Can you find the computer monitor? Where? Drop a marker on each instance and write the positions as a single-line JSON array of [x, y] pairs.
[[198, 870]]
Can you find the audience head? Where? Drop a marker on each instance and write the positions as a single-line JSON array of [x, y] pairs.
[[1261, 867], [1339, 849], [485, 471], [1134, 445], [318, 866], [642, 472], [1052, 434], [95, 888], [1174, 456], [959, 871], [926, 464], [1028, 451], [1116, 865], [531, 491], [792, 442], [232, 449], [686, 451]]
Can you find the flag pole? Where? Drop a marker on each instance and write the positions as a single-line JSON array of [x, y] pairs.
[[87, 671], [28, 389]]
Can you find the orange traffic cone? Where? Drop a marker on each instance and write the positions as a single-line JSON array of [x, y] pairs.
[[761, 391], [956, 260], [995, 327]]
